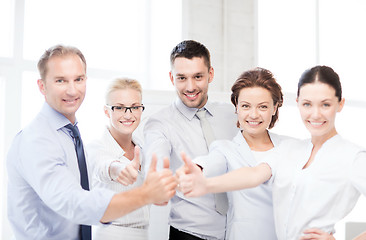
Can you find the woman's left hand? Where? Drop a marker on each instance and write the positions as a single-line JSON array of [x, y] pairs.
[[316, 234]]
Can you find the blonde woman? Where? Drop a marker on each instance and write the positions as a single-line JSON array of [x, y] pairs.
[[116, 157]]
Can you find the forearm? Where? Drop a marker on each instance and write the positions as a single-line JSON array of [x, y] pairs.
[[126, 202], [246, 177]]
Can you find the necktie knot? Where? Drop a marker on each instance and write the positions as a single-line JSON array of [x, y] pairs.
[[74, 130], [201, 114]]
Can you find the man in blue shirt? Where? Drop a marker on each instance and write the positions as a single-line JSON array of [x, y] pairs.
[[46, 200]]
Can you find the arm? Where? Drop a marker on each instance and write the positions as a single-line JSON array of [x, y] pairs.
[[193, 184], [156, 141], [362, 236], [158, 188], [314, 234]]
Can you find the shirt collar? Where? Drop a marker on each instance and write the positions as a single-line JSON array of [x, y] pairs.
[[56, 119], [188, 112]]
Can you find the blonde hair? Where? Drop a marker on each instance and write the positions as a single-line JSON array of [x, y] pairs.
[[122, 83]]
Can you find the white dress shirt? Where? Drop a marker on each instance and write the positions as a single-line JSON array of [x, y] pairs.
[[102, 152], [45, 198], [175, 129], [321, 194], [250, 214]]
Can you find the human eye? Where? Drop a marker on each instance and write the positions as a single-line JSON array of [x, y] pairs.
[[135, 108], [79, 79], [118, 108], [60, 80], [198, 77], [306, 104], [326, 104], [263, 107], [180, 78], [245, 106]]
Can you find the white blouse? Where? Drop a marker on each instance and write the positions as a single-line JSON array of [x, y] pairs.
[[250, 214], [321, 194], [102, 153]]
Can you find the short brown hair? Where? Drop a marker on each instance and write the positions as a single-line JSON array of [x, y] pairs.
[[259, 77], [58, 50]]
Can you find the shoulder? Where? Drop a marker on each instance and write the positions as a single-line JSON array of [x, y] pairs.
[[224, 146], [343, 145]]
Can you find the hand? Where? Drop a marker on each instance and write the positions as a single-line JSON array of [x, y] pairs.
[[128, 175], [192, 183], [160, 186], [314, 234], [362, 236]]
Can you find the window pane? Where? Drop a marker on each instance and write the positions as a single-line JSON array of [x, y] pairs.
[[6, 27], [286, 39], [108, 32], [166, 33], [32, 98], [342, 43]]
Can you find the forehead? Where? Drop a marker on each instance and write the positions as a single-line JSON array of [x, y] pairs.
[[317, 91], [196, 64], [66, 65], [125, 96], [255, 93]]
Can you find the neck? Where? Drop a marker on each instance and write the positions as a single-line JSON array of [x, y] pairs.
[[318, 141], [123, 140], [258, 142]]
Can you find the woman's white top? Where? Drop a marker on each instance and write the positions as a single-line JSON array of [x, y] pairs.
[[250, 214], [321, 194], [102, 153]]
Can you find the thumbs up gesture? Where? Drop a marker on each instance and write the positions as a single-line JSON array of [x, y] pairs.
[[192, 182], [159, 185], [127, 175]]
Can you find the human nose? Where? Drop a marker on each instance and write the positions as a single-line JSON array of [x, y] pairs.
[[128, 113], [253, 113], [71, 88], [316, 112], [191, 85]]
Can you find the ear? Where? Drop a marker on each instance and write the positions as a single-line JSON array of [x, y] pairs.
[[211, 73], [42, 86], [171, 77], [106, 112], [341, 105]]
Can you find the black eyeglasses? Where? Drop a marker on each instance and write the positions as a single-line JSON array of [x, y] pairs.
[[122, 109]]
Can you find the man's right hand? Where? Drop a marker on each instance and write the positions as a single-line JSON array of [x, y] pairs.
[[160, 185]]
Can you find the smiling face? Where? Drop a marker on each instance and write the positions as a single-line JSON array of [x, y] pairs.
[[123, 122], [190, 78], [64, 85], [318, 107], [255, 110]]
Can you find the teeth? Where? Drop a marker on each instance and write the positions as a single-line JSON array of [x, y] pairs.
[[253, 123], [191, 95], [316, 123]]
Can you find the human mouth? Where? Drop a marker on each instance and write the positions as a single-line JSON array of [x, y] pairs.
[[192, 96], [316, 124], [70, 101], [254, 123], [127, 123]]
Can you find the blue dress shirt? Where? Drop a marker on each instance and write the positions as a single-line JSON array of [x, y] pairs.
[[45, 198]]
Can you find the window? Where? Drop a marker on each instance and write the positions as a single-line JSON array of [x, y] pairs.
[[7, 27]]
